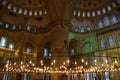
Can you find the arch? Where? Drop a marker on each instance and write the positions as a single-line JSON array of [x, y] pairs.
[[87, 47], [3, 39], [11, 45], [73, 43], [29, 48], [106, 21], [113, 19], [72, 46], [47, 48]]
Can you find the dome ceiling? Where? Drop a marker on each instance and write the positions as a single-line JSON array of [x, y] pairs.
[[92, 4], [33, 4], [26, 7], [91, 8], [46, 13]]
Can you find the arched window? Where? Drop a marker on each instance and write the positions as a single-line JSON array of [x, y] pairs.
[[9, 6], [72, 51], [28, 28], [9, 61], [106, 21], [11, 46], [93, 13], [79, 13], [98, 12], [14, 9], [14, 27], [4, 2], [28, 50], [102, 44], [35, 29], [6, 26], [88, 14], [40, 12], [82, 29], [111, 41], [74, 13], [20, 26], [30, 13], [88, 28], [114, 19], [35, 13], [113, 4], [3, 42], [45, 52], [45, 12], [25, 12], [100, 24], [20, 11], [73, 45], [103, 10], [83, 14], [50, 54], [109, 8]]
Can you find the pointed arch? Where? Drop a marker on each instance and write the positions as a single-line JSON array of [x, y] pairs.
[[87, 47], [72, 46]]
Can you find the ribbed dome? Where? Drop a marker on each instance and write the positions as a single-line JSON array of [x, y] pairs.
[[91, 8]]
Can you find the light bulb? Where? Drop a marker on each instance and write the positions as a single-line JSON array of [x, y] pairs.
[[106, 61], [95, 60], [68, 61], [82, 60], [21, 62], [115, 61], [30, 62], [54, 61], [75, 62]]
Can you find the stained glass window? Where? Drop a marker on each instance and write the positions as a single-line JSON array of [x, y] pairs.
[[14, 27], [106, 21], [100, 24], [102, 43], [72, 52], [3, 42], [28, 28], [45, 52], [11, 46], [14, 9], [28, 50], [114, 19], [111, 41], [7, 26], [20, 11]]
